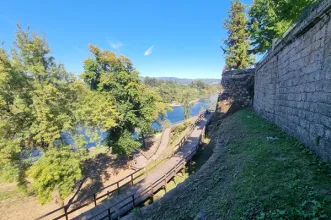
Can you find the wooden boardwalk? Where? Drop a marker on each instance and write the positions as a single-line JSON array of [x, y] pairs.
[[124, 202]]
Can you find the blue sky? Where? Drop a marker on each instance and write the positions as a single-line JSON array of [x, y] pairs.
[[162, 38]]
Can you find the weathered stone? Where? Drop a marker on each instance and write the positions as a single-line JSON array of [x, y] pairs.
[[293, 83], [238, 90]]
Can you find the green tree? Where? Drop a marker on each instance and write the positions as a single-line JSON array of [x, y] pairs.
[[55, 174], [270, 19], [36, 102], [39, 101], [238, 44], [136, 103], [186, 102], [151, 81]]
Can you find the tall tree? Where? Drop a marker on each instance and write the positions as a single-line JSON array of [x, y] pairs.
[[39, 101], [136, 103], [36, 101], [185, 100], [238, 44], [270, 19]]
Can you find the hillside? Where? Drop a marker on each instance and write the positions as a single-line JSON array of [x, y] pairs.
[[189, 81], [255, 172]]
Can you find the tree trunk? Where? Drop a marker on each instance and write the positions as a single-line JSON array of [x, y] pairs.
[[143, 137], [57, 198]]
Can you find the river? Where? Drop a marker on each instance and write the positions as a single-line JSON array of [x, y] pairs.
[[174, 116]]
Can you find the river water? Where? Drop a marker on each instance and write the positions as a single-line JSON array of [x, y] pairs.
[[174, 116]]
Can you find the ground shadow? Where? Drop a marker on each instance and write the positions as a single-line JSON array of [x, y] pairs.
[[95, 174]]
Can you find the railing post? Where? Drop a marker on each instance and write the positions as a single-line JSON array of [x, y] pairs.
[[152, 189], [133, 201], [109, 215], [65, 212], [95, 200], [118, 187], [131, 179]]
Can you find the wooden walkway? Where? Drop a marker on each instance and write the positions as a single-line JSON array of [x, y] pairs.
[[124, 202]]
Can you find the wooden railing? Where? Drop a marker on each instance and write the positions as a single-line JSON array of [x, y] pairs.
[[115, 187], [134, 199]]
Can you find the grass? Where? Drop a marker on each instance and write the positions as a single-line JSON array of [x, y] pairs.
[[251, 177], [97, 150], [9, 195], [179, 132]]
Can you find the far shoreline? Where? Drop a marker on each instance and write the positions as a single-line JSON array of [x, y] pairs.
[[178, 104]]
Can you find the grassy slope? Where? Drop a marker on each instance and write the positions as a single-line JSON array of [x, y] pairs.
[[250, 177]]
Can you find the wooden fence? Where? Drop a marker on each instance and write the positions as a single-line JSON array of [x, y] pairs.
[[133, 200], [116, 187]]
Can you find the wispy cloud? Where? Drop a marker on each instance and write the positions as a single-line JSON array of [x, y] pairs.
[[6, 18], [149, 51], [116, 44]]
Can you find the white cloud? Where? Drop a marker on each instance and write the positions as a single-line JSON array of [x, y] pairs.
[[149, 51], [116, 44]]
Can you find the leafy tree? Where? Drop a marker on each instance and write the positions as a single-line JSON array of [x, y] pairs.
[[270, 19], [39, 101], [151, 81], [237, 55], [199, 84], [36, 102], [186, 102], [55, 174], [136, 103]]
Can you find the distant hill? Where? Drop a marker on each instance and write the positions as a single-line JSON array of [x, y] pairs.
[[188, 81]]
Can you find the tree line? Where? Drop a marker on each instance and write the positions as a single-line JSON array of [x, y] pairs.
[[253, 32], [184, 95], [40, 101]]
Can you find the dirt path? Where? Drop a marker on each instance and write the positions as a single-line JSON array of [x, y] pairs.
[[142, 161], [188, 147]]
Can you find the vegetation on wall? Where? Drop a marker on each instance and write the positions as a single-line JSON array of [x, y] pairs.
[[270, 19]]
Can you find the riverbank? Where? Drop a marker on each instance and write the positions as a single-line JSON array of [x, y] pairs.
[[250, 176]]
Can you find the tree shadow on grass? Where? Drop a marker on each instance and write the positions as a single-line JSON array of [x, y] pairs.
[[95, 174]]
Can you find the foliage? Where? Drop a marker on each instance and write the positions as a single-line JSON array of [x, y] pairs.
[[36, 102], [57, 170], [138, 106], [182, 127], [172, 92], [186, 102], [125, 144], [270, 19], [237, 55], [39, 102]]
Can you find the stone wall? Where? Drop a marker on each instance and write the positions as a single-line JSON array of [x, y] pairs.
[[293, 83], [238, 90]]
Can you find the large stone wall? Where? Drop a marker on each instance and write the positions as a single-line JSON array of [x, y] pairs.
[[293, 83], [237, 91]]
